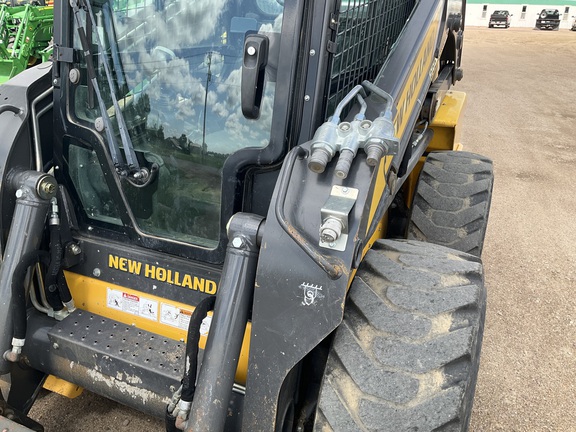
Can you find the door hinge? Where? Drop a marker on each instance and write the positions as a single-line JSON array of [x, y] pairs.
[[331, 47], [63, 54]]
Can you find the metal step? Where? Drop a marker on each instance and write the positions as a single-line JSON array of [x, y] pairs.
[[118, 361], [128, 354]]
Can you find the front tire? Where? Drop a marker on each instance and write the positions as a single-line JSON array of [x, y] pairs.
[[452, 201], [407, 353]]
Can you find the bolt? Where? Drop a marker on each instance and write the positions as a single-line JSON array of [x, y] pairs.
[[332, 244], [48, 187], [55, 82], [345, 126], [344, 190], [55, 346], [74, 76], [251, 50], [96, 272], [99, 124], [20, 193], [75, 249], [237, 242], [312, 53], [306, 98]]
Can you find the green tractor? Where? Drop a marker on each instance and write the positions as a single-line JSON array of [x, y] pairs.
[[245, 215], [25, 37]]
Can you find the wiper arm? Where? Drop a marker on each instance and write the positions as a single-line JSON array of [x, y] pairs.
[[131, 169]]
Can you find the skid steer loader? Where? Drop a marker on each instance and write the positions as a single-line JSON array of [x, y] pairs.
[[245, 215]]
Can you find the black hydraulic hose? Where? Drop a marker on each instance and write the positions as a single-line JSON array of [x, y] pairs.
[[54, 265], [55, 258], [54, 276], [18, 291], [189, 380], [63, 290]]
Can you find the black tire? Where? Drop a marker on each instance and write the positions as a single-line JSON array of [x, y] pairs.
[[452, 201], [406, 356]]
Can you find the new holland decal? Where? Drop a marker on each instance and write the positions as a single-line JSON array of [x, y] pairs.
[[161, 274]]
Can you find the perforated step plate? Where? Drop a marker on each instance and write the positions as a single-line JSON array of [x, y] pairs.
[[118, 354]]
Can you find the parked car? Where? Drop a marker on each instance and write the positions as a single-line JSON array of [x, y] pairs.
[[548, 19], [500, 18], [573, 24]]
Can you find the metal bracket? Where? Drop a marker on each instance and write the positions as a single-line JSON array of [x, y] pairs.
[[63, 54], [334, 213], [331, 47]]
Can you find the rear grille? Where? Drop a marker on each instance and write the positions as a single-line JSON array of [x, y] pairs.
[[367, 29]]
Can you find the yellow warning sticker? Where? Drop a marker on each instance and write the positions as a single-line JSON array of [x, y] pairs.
[[132, 304]]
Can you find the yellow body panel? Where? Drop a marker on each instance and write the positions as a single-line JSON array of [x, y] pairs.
[[62, 387], [445, 123], [425, 68], [91, 295]]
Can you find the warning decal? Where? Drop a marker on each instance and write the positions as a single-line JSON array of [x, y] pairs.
[[174, 316], [133, 304]]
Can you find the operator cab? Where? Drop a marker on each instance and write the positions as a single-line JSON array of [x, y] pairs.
[[175, 73]]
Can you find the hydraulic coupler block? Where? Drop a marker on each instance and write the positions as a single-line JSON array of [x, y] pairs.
[[376, 137]]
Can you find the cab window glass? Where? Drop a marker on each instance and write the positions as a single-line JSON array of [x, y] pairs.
[[176, 73]]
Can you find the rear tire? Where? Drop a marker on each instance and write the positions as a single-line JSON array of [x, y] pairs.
[[407, 353], [452, 201]]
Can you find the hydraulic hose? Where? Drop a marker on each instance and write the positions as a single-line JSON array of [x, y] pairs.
[[187, 390], [55, 277], [189, 380], [55, 258], [19, 293]]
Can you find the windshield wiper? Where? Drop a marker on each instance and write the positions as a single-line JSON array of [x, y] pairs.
[[130, 169]]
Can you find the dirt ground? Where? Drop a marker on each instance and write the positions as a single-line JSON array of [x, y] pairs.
[[521, 89], [521, 86]]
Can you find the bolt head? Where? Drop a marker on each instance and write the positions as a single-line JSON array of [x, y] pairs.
[[251, 50], [237, 242], [96, 272]]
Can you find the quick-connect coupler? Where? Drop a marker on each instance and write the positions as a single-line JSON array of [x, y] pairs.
[[376, 137], [381, 139], [324, 146]]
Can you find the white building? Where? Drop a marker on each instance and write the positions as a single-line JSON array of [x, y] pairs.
[[524, 13]]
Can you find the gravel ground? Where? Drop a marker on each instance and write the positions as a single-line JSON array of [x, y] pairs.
[[521, 96], [521, 90]]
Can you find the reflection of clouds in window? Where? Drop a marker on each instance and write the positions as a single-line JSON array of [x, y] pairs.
[[181, 53], [181, 24]]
